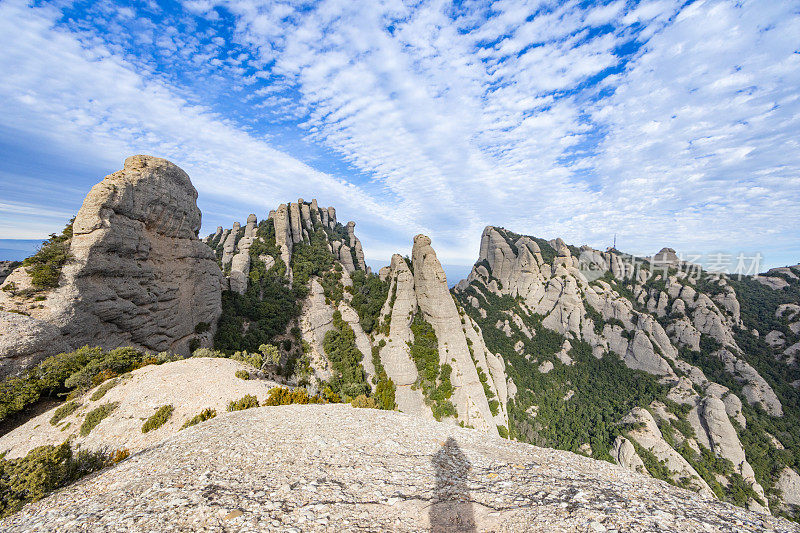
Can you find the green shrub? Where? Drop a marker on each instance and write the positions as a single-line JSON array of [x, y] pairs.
[[158, 419], [503, 431], [205, 414], [43, 470], [340, 346], [434, 379], [45, 266], [103, 389], [243, 374], [364, 402], [384, 386], [247, 401], [64, 411], [202, 327], [95, 416], [286, 396], [73, 371], [116, 361]]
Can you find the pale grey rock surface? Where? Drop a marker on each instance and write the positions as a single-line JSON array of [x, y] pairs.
[[259, 470], [395, 355], [649, 437], [625, 454], [5, 269]]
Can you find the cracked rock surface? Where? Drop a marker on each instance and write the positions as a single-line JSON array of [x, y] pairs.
[[314, 468]]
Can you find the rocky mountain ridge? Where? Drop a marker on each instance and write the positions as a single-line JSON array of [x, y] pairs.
[[548, 300], [644, 362]]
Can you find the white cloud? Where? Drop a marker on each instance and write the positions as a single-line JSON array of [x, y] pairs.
[[516, 113], [87, 98]]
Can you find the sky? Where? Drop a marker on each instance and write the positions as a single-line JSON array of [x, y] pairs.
[[655, 122]]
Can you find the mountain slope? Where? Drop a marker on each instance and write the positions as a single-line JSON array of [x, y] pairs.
[[304, 287], [647, 362]]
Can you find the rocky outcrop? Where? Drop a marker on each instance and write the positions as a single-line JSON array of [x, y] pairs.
[[460, 343], [6, 267], [659, 315], [789, 485], [439, 309], [139, 276], [316, 319], [723, 440], [293, 223], [259, 470], [649, 437], [625, 455], [395, 356]]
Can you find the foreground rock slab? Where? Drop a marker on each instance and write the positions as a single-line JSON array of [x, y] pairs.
[[315, 468]]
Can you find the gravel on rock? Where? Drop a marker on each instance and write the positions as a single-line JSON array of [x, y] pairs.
[[336, 468]]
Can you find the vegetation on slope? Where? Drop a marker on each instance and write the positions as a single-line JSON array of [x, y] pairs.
[[263, 312], [158, 419], [369, 295], [349, 379], [45, 469], [434, 378], [72, 372], [44, 267]]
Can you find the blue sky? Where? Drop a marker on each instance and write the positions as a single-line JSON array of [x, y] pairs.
[[667, 123]]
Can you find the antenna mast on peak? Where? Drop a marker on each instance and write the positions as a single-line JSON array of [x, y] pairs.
[[615, 242]]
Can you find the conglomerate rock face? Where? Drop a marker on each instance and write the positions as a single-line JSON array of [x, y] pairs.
[[363, 469], [661, 316], [138, 276]]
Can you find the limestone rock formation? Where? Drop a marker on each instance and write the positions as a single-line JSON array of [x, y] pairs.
[[460, 343], [139, 276], [293, 223], [662, 316], [625, 455], [649, 437]]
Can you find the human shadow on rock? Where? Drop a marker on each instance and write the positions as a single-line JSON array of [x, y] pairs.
[[452, 506]]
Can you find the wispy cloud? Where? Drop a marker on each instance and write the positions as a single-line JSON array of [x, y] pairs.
[[58, 88], [669, 123]]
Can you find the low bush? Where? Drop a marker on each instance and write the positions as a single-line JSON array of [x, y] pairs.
[[43, 470], [364, 402], [243, 374], [159, 418], [119, 455], [74, 372], [103, 389], [95, 416], [285, 396], [64, 411], [247, 401], [205, 414]]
